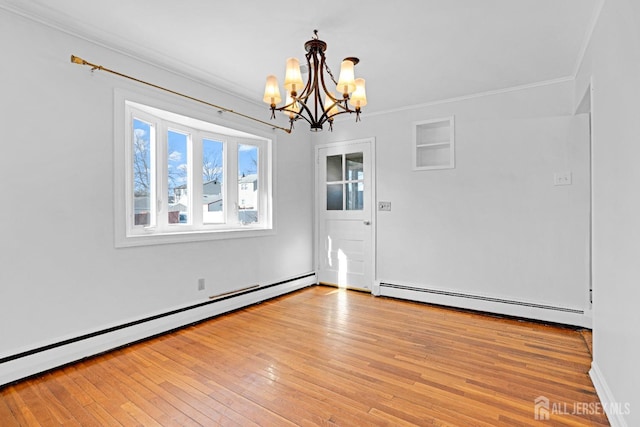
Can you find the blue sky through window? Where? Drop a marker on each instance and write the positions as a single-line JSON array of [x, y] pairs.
[[177, 144], [177, 155], [247, 159], [142, 157]]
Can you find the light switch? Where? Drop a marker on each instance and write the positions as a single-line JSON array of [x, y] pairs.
[[384, 206], [562, 178]]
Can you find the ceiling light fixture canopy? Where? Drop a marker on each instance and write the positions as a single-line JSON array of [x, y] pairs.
[[313, 101]]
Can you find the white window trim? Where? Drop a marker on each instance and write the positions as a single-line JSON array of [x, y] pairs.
[[154, 104]]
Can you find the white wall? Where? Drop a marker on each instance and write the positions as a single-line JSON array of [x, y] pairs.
[[612, 61], [60, 274], [495, 226]]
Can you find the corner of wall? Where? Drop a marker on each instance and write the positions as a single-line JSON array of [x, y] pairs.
[[615, 410]]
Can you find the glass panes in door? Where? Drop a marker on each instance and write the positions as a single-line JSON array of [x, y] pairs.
[[334, 197], [334, 168], [345, 182], [355, 169], [354, 192], [355, 175]]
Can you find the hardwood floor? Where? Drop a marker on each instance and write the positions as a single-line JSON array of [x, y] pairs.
[[323, 356]]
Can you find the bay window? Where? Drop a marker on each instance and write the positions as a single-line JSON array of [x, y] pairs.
[[187, 179]]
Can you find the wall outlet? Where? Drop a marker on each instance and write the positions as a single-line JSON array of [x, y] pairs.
[[384, 206], [201, 284], [562, 178]]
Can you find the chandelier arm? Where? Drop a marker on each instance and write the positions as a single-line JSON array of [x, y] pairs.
[[323, 119], [312, 120], [319, 101], [284, 107], [324, 86], [336, 102], [298, 114], [300, 98], [338, 113], [306, 92], [305, 107], [311, 88]]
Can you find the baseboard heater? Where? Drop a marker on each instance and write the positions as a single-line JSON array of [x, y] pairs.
[[481, 298], [213, 299]]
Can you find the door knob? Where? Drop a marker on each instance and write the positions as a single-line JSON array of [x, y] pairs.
[[366, 222]]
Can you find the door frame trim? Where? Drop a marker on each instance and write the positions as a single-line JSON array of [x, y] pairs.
[[374, 212]]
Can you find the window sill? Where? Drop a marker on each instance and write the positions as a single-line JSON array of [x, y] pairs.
[[187, 236]]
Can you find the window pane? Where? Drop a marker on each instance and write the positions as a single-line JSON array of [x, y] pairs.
[[142, 168], [334, 168], [355, 193], [355, 170], [177, 174], [212, 177], [247, 183], [334, 197]]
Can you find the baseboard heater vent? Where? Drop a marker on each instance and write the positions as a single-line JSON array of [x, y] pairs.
[[231, 293], [214, 299], [481, 298]]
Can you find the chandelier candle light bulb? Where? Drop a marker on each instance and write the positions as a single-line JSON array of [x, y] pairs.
[[272, 91], [291, 107], [312, 100], [346, 82], [359, 96], [293, 77]]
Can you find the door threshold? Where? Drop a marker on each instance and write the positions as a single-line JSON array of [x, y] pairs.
[[347, 287]]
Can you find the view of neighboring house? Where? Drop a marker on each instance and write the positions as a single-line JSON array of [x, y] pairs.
[[212, 196], [141, 210], [212, 203], [248, 198]]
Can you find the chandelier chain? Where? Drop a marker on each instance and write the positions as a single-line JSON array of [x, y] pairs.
[[326, 66]]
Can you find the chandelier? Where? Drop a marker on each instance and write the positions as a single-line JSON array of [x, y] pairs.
[[313, 101]]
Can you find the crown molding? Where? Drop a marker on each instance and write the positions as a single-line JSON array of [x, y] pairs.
[[67, 25], [587, 39], [476, 95]]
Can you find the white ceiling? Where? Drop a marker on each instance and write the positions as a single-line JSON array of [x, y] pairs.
[[411, 51]]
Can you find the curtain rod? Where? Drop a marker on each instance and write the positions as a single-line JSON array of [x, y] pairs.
[[77, 60]]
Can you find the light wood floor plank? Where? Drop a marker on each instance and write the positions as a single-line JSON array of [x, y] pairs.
[[323, 356], [19, 409], [6, 415]]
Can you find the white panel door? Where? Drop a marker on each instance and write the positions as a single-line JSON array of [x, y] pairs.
[[345, 229]]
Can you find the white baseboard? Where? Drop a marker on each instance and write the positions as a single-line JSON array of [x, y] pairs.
[[523, 309], [375, 289], [612, 407], [53, 355]]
